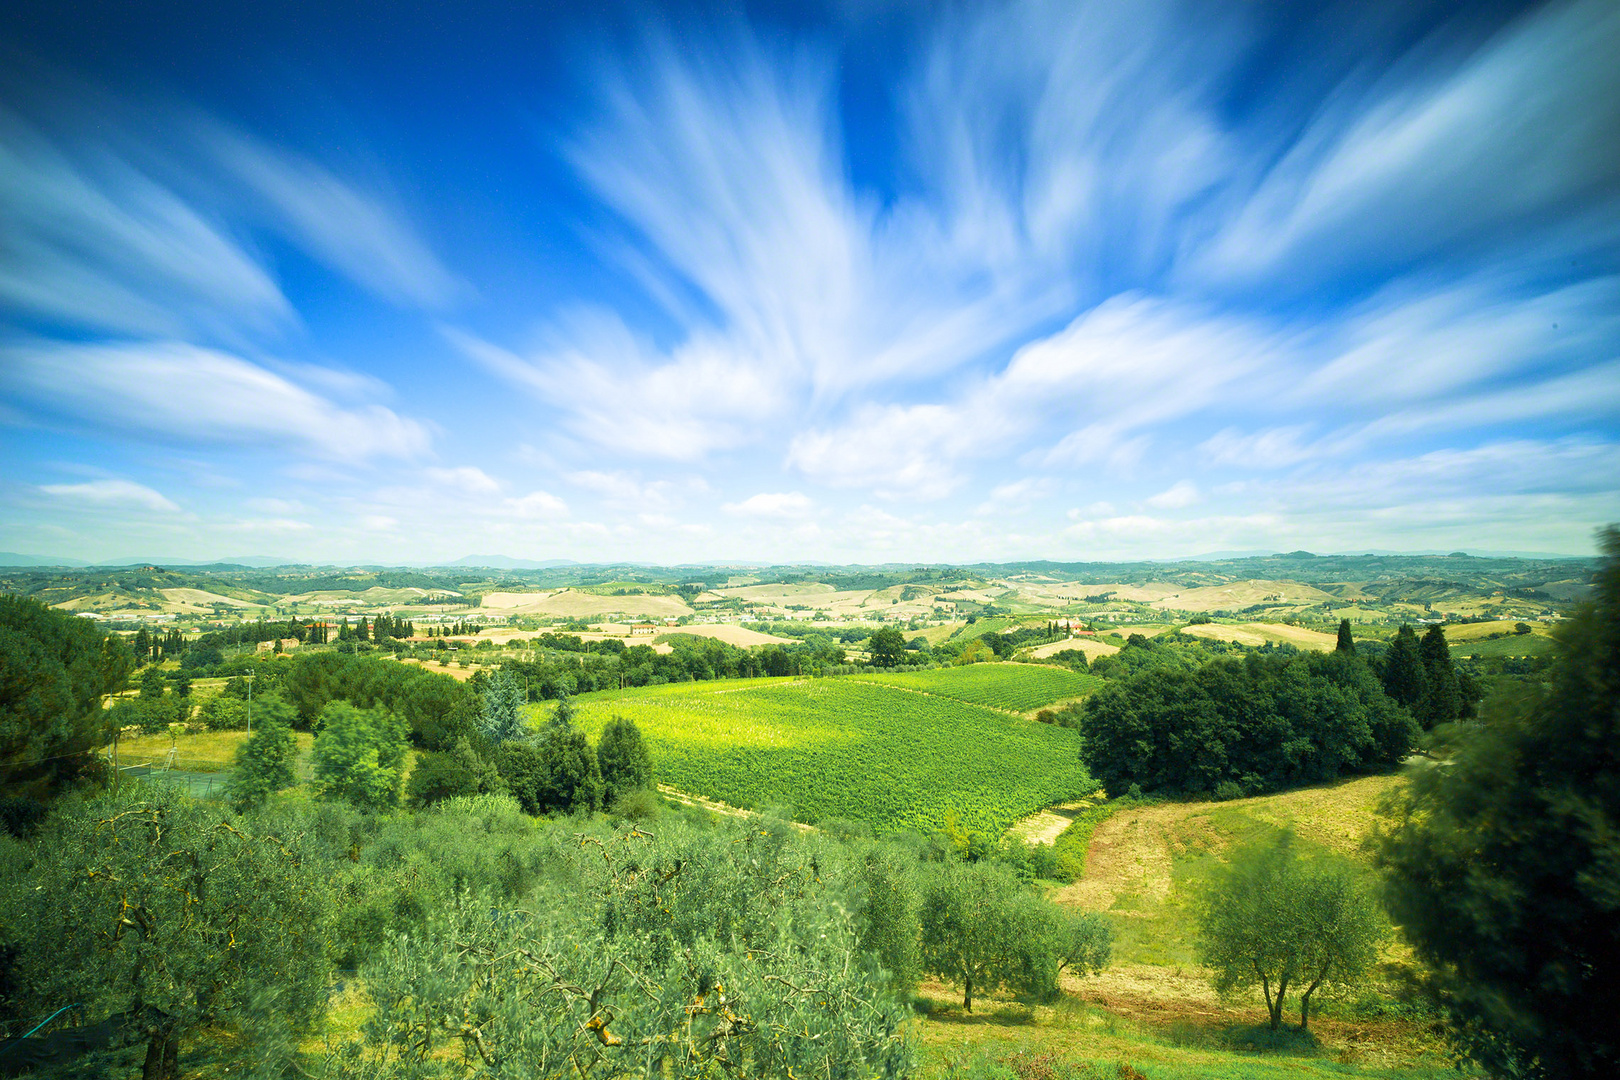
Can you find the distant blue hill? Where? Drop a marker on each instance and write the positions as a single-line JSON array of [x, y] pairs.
[[12, 558]]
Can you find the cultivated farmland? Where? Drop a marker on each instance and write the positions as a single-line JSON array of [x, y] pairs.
[[848, 748], [1016, 688]]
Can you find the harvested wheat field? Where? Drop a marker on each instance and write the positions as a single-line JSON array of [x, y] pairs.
[[730, 633], [1260, 633]]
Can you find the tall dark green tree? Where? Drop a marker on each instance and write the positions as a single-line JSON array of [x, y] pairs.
[[1347, 644], [1443, 703], [55, 671], [1404, 677], [622, 756], [1503, 868], [501, 718], [569, 778]]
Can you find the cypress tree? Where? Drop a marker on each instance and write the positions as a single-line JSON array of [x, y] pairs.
[[1404, 677], [1347, 644], [1443, 704]]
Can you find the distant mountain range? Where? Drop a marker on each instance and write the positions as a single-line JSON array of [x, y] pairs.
[[506, 562], [12, 558]]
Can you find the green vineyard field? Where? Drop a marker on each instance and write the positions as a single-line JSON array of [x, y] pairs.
[[848, 748], [1014, 687]]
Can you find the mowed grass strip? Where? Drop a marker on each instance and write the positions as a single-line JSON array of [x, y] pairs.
[[1013, 687], [847, 748]]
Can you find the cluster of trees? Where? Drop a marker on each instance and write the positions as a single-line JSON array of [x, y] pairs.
[[560, 668], [455, 629], [1421, 677], [1234, 727], [552, 771], [383, 628]]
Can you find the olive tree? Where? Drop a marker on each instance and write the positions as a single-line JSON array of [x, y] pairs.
[[169, 916], [984, 931], [690, 954], [1274, 919]]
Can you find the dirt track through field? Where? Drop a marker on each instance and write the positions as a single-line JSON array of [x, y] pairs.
[[1131, 853]]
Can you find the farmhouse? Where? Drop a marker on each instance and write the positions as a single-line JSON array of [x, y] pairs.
[[643, 628]]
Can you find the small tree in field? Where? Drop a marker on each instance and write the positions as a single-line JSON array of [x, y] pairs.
[[1285, 923], [983, 931], [264, 764], [886, 647]]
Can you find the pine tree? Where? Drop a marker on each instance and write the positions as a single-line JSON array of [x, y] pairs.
[[501, 719], [1404, 677], [1347, 644]]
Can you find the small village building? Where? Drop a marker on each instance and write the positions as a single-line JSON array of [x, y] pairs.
[[643, 628]]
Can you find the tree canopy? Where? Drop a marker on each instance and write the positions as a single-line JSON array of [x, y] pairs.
[[1256, 724], [55, 669], [1503, 867], [1273, 918]]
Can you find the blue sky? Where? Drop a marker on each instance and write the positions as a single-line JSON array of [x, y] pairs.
[[846, 282]]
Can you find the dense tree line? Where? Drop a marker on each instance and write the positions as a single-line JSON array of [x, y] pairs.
[[564, 665]]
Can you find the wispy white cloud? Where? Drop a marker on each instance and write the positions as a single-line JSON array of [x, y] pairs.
[[358, 232], [182, 394], [111, 493], [468, 479], [1523, 128], [90, 240], [1181, 494]]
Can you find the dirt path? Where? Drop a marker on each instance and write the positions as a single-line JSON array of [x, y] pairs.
[[686, 798], [1045, 826], [1131, 852]]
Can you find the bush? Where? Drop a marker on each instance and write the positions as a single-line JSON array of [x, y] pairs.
[[224, 713]]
